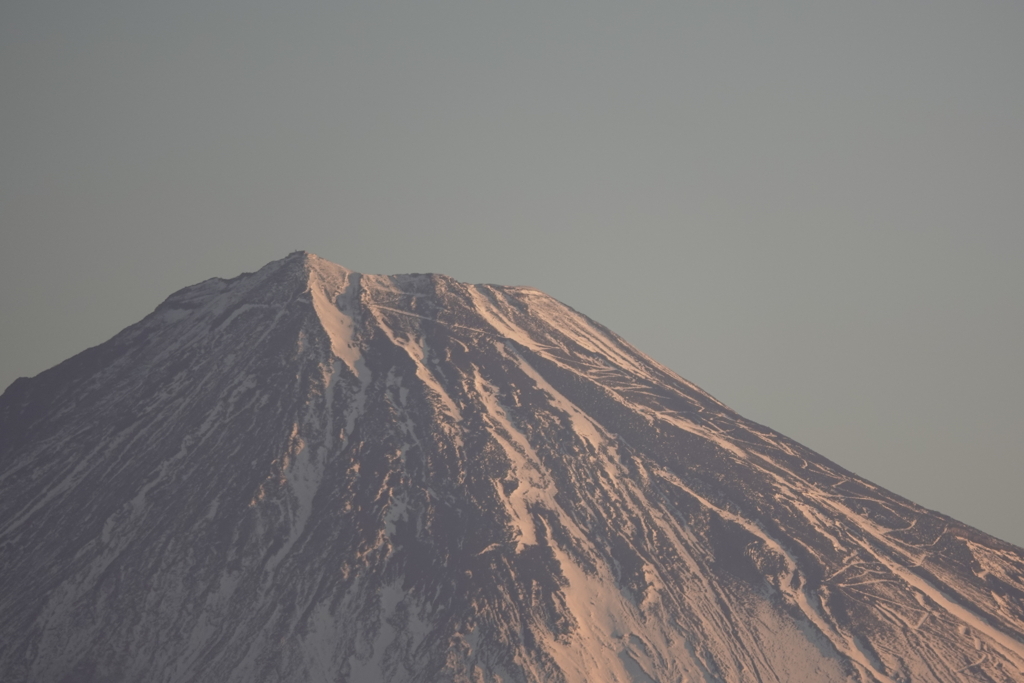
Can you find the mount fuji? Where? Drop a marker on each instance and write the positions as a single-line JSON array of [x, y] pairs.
[[307, 474]]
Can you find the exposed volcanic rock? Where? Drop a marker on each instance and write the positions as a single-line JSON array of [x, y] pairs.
[[308, 474]]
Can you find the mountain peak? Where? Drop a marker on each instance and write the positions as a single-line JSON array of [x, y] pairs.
[[306, 473], [313, 263]]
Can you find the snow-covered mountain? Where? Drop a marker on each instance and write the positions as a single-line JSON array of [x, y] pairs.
[[308, 474]]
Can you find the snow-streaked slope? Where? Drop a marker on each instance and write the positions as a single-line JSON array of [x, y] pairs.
[[308, 474]]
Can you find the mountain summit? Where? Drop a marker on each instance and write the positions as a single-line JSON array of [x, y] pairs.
[[306, 474]]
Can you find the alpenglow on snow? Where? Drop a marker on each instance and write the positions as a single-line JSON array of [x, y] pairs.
[[306, 474]]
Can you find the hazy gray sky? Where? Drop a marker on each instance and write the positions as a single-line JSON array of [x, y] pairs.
[[813, 210]]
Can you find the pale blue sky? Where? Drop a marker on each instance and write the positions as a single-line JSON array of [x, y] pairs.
[[813, 210]]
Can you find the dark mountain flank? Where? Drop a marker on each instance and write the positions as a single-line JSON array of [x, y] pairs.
[[305, 474]]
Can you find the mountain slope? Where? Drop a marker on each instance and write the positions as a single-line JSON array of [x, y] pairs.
[[308, 474]]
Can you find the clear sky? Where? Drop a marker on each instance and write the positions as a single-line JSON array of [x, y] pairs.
[[813, 210]]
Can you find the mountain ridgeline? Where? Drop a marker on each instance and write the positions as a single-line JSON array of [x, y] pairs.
[[306, 474]]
